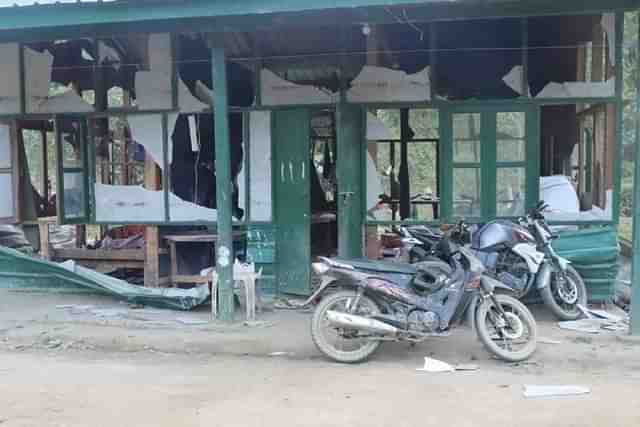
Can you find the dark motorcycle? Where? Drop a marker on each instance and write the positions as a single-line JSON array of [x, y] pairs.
[[366, 302], [521, 256]]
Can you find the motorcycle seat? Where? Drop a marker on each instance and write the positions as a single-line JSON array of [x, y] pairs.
[[379, 266]]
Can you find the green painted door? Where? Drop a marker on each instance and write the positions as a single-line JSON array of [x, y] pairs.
[[350, 188], [494, 157], [291, 144]]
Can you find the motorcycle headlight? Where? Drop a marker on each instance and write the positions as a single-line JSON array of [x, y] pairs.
[[319, 268]]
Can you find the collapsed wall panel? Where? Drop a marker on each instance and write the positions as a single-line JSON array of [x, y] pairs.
[[18, 270]]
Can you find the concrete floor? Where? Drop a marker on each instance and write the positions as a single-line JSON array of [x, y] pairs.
[[111, 365]]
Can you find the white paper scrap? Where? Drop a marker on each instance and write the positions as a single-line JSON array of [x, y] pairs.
[[532, 391], [435, 365], [193, 133], [513, 79]]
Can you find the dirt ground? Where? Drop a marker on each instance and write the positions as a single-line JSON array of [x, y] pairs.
[[70, 360]]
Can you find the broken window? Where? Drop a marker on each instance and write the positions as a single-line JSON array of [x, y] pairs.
[[8, 176], [491, 48], [571, 56], [579, 146], [57, 74], [130, 153], [402, 165], [38, 138]]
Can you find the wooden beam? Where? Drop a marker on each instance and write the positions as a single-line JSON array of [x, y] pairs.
[[101, 254], [151, 233]]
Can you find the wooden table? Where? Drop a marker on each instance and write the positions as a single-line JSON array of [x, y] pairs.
[[196, 237]]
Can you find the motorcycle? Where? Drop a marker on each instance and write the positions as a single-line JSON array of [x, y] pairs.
[[364, 303], [521, 256]]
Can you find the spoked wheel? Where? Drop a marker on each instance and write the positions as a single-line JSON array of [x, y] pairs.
[[508, 331], [564, 293], [343, 344]]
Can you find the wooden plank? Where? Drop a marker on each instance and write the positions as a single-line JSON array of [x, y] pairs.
[[151, 234], [45, 249], [203, 238], [173, 255], [200, 238], [107, 266], [100, 254], [184, 278]]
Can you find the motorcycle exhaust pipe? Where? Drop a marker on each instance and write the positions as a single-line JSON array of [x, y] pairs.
[[344, 320]]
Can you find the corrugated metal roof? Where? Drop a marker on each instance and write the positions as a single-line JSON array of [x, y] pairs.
[[9, 3]]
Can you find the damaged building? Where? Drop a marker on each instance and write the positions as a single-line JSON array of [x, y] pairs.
[[279, 133]]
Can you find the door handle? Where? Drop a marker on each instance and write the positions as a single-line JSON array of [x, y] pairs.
[[346, 194]]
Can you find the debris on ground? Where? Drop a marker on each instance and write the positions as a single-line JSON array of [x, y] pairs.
[[281, 353], [258, 324], [191, 321], [583, 340], [533, 391], [544, 340], [467, 367], [288, 303], [595, 325], [587, 326], [146, 315], [435, 365]]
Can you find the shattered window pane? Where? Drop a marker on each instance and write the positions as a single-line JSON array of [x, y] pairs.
[[466, 138], [510, 196], [475, 59], [466, 192], [74, 194], [572, 64], [57, 74], [424, 123]]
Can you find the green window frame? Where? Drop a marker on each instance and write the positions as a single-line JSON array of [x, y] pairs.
[[486, 162], [73, 196]]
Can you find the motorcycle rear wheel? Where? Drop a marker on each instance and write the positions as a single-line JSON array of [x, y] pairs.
[[362, 348], [501, 334]]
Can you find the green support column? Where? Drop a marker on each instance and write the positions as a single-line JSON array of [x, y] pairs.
[[635, 259], [224, 244], [351, 189]]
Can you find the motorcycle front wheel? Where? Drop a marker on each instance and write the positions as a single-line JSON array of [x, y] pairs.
[[342, 344], [509, 332], [563, 298]]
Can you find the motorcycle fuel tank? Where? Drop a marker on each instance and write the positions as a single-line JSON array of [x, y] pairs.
[[496, 233]]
